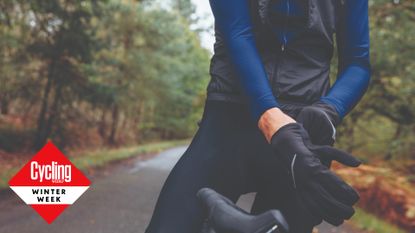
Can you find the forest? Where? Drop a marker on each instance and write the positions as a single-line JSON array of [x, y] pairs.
[[94, 73]]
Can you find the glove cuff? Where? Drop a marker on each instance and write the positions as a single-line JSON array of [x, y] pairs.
[[330, 110]]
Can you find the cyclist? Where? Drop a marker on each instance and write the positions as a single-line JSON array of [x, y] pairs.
[[270, 115]]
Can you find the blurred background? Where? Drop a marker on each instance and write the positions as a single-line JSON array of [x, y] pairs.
[[118, 80]]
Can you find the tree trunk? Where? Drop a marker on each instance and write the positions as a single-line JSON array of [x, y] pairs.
[[4, 106], [102, 125], [114, 124], [137, 121], [40, 132], [54, 113]]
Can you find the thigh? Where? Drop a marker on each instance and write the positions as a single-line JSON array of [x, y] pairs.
[[212, 160]]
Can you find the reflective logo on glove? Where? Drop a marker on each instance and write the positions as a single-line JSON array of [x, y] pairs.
[[292, 170]]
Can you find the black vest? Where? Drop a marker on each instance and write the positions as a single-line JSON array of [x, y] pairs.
[[299, 72]]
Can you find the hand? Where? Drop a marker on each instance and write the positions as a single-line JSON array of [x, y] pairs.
[[320, 121], [272, 120], [323, 193]]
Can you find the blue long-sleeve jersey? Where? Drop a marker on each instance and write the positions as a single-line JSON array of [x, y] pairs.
[[234, 21]]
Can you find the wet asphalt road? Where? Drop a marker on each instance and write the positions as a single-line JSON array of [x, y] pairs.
[[119, 202]]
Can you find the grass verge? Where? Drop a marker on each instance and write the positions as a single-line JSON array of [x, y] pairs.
[[98, 158], [370, 223]]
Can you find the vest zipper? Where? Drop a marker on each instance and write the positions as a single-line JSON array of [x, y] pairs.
[[285, 32], [280, 59]]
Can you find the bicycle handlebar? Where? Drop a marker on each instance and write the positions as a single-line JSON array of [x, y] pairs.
[[223, 216]]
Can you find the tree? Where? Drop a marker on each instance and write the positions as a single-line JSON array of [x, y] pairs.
[[107, 72], [388, 102]]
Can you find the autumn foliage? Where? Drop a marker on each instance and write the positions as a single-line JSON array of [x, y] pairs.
[[384, 192]]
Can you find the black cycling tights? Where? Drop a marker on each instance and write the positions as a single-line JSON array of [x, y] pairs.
[[230, 155]]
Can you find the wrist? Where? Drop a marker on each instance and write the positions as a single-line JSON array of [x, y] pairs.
[[330, 111], [272, 120], [335, 105]]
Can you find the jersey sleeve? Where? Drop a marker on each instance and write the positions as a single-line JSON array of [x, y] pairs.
[[233, 20], [354, 64]]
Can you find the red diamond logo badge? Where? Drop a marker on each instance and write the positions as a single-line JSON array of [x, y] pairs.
[[49, 183]]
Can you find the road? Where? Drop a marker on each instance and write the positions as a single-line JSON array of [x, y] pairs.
[[120, 201]]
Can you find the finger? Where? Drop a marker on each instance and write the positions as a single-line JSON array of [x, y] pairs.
[[331, 153], [329, 203], [320, 210], [337, 187]]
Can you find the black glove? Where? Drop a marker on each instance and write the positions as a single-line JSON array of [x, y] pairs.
[[320, 121], [323, 193]]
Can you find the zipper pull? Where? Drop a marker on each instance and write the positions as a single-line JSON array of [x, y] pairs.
[[282, 47]]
